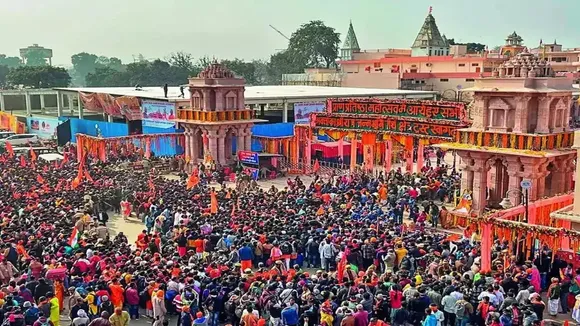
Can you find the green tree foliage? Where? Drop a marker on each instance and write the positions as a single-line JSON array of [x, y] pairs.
[[4, 70], [10, 62], [316, 44], [284, 62], [471, 47], [35, 58], [38, 77], [85, 63], [244, 69], [107, 77]]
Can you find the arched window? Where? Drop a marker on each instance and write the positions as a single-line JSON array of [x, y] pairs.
[[196, 100]]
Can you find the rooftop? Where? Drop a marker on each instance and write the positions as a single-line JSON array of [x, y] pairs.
[[261, 94]]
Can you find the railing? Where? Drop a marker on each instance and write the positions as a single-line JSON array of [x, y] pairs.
[[214, 116], [326, 168], [516, 141]]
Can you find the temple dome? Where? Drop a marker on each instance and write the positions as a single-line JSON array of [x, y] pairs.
[[216, 70]]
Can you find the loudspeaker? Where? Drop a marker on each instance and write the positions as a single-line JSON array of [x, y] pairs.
[[63, 133], [135, 127]]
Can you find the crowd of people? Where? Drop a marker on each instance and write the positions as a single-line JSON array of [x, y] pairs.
[[352, 250]]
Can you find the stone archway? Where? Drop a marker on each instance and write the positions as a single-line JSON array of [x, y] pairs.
[[498, 180]]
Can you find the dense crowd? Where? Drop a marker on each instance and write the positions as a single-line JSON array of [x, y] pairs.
[[332, 252]]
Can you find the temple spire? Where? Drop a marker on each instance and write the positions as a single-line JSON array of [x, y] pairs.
[[429, 40], [350, 44]]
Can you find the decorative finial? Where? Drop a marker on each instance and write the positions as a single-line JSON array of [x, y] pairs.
[[430, 9]]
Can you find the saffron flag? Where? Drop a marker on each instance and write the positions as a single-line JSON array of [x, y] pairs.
[[9, 149], [75, 236], [75, 183], [32, 154], [214, 203], [22, 161], [193, 180], [316, 166], [88, 176]]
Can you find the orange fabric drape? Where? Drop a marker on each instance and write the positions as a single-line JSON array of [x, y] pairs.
[[369, 138], [486, 239]]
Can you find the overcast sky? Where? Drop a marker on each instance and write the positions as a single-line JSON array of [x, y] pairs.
[[239, 28]]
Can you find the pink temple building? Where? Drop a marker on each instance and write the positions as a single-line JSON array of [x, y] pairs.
[[216, 118], [520, 131]]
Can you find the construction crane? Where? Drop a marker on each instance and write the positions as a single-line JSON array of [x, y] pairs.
[[284, 36]]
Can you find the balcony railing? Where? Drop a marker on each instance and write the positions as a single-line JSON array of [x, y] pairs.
[[214, 116], [531, 142]]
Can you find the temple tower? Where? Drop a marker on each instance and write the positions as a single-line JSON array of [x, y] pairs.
[[216, 118], [520, 131], [350, 45], [429, 41], [513, 45]]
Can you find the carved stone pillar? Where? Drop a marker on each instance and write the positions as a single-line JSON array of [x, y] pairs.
[[186, 134], [206, 100], [229, 146], [514, 169], [467, 171], [558, 183], [219, 99], [248, 139], [532, 172], [543, 115], [213, 147], [194, 146], [221, 148], [241, 105], [521, 116], [240, 140], [480, 170]]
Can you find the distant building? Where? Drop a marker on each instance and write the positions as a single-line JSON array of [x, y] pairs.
[[431, 64], [37, 50]]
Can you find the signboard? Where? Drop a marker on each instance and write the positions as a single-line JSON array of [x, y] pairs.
[[44, 128], [158, 114], [526, 184], [302, 111], [433, 110], [248, 157], [379, 124]]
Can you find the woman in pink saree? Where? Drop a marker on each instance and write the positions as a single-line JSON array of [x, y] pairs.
[[535, 279]]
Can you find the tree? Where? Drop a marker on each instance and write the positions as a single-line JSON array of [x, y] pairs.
[[83, 64], [4, 70], [35, 58], [241, 68], [38, 77], [471, 47], [284, 62], [10, 62], [181, 60], [315, 43], [108, 77]]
